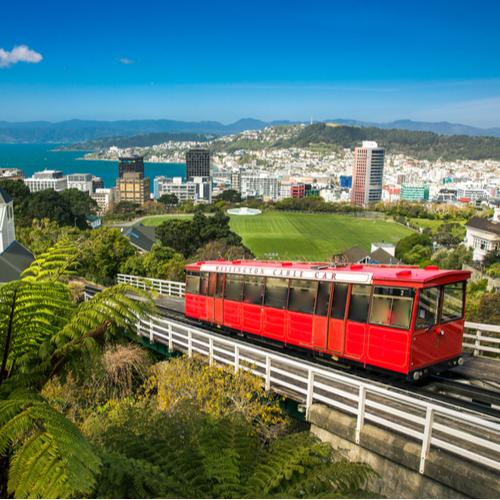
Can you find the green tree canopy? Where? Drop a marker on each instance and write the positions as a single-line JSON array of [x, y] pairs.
[[168, 199]]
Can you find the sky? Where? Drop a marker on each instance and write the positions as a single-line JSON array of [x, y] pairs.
[[378, 60]]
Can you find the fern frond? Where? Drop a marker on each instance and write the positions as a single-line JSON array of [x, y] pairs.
[[50, 457], [58, 262]]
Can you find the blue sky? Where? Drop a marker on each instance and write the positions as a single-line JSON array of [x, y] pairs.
[[223, 60]]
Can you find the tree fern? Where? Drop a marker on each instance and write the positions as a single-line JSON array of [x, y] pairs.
[[53, 459], [41, 332]]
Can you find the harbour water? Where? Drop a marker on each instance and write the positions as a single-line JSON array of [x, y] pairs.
[[31, 158]]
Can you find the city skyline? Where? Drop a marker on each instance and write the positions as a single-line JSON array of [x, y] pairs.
[[278, 60]]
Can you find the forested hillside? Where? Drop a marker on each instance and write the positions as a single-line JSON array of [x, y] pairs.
[[424, 145]]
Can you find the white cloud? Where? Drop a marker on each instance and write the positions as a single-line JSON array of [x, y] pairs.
[[20, 53], [126, 60]]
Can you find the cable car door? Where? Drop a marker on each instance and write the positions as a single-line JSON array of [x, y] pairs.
[[219, 299], [336, 330], [212, 279]]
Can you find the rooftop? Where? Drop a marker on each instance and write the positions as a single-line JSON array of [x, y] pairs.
[[4, 196], [484, 225]]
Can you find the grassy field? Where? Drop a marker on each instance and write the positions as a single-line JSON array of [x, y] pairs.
[[299, 236], [311, 236], [434, 223]]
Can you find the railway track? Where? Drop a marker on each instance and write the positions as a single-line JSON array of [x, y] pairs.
[[461, 392]]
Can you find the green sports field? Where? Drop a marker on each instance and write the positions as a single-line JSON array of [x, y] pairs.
[[300, 236]]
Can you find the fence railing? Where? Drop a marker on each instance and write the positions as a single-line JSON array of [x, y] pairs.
[[429, 423], [482, 339], [163, 287]]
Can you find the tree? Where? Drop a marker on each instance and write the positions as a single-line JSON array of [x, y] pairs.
[[205, 457], [419, 255], [18, 191], [125, 208], [43, 234], [81, 205], [406, 244], [449, 234], [230, 195], [103, 254], [42, 333], [161, 262], [454, 258], [48, 204], [168, 199], [221, 249], [492, 257], [179, 235]]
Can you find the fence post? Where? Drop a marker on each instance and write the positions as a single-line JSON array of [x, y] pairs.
[[151, 332], [268, 373], [170, 338], [426, 441], [477, 343], [236, 359], [361, 412], [310, 390], [210, 351], [190, 347]]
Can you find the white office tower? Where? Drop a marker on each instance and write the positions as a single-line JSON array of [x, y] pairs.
[[367, 174]]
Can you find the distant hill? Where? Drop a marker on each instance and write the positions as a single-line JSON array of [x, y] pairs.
[[424, 145], [73, 131], [77, 131], [445, 128], [142, 140]]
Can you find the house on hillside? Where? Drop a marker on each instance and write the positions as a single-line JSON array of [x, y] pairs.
[[381, 253], [483, 235], [140, 236], [14, 257]]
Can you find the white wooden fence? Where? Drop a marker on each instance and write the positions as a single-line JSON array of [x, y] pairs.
[[482, 339], [163, 287], [427, 421]]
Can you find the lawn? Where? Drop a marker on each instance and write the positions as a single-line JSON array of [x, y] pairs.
[[434, 223], [301, 236]]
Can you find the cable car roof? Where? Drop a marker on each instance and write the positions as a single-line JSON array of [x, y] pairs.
[[324, 271]]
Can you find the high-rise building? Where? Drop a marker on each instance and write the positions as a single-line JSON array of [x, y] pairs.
[[184, 191], [82, 182], [132, 186], [105, 198], [133, 163], [367, 174], [47, 179], [197, 163]]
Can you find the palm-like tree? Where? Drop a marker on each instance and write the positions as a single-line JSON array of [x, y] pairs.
[[43, 332]]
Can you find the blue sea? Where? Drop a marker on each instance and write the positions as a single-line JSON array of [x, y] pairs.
[[31, 158]]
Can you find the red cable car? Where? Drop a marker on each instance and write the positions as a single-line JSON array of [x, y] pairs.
[[397, 318]]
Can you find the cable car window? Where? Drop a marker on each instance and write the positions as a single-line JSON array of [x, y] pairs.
[[453, 301], [276, 293], [428, 306], [358, 307], [392, 306], [192, 282], [302, 295], [219, 287], [234, 287], [323, 298], [340, 291], [204, 284], [253, 290]]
